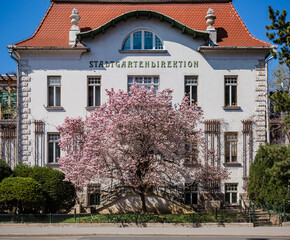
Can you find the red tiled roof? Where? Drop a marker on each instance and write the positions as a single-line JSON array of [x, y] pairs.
[[54, 28]]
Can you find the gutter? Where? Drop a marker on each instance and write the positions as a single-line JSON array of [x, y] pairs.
[[16, 58], [267, 101], [205, 48], [13, 47]]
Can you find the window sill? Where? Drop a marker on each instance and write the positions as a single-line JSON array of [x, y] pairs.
[[144, 51], [92, 108], [232, 108], [190, 165], [232, 164], [53, 164], [54, 108]]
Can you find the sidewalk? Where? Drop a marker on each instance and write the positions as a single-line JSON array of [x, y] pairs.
[[133, 230]]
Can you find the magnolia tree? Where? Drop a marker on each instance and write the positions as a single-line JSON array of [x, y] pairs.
[[138, 139]]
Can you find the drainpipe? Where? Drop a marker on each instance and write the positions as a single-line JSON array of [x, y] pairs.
[[17, 60], [267, 102]]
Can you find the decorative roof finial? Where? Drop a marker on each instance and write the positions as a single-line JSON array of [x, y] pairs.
[[75, 17], [74, 30], [210, 17]]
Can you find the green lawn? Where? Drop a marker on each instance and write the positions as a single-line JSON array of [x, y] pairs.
[[199, 217]]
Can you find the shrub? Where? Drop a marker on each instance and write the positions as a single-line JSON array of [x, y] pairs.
[[22, 170], [23, 195], [5, 170], [269, 176], [60, 195]]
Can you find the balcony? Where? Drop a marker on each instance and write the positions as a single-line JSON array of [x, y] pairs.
[[8, 97]]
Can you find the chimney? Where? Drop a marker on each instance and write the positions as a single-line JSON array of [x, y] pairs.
[[210, 18], [74, 30]]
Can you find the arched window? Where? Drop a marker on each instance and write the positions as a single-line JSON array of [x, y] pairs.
[[142, 40]]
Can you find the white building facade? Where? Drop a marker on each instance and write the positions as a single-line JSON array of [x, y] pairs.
[[65, 67]]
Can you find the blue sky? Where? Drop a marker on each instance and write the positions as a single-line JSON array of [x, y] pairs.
[[20, 18]]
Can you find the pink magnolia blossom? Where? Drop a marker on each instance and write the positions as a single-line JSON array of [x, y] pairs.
[[136, 138]]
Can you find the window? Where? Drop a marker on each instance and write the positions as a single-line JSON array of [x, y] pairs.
[[94, 194], [191, 194], [231, 91], [142, 40], [231, 142], [94, 91], [146, 81], [191, 88], [191, 154], [231, 193], [53, 147], [53, 91]]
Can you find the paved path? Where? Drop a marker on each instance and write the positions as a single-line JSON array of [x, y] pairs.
[[141, 238], [157, 230]]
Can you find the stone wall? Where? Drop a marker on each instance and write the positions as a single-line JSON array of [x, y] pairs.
[[25, 117]]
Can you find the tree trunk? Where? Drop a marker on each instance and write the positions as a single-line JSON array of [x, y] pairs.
[[143, 203]]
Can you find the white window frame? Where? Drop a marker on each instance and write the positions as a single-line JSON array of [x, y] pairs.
[[231, 81], [131, 36], [227, 134], [94, 85], [54, 141], [143, 84], [233, 189], [193, 83], [54, 86]]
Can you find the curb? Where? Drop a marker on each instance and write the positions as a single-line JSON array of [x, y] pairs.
[[142, 235], [126, 225]]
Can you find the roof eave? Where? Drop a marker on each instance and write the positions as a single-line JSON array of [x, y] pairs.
[[85, 49], [144, 13], [217, 48]]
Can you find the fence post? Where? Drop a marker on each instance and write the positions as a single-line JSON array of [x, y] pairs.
[[50, 218], [284, 211], [75, 214], [250, 217], [216, 214], [254, 215], [22, 218]]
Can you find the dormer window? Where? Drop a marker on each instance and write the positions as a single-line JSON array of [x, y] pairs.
[[142, 40]]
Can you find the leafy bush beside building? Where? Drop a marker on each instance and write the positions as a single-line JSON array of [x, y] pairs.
[[21, 195], [5, 170], [60, 195], [269, 176]]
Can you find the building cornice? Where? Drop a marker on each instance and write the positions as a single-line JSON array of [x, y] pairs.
[[217, 48], [84, 49], [144, 13]]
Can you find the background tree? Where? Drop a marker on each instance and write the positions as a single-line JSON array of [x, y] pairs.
[[269, 176], [60, 195], [280, 78], [137, 139], [5, 170], [24, 195], [279, 33]]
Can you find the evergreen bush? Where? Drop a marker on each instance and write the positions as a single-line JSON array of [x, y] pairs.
[[60, 195], [21, 195], [5, 170], [269, 176]]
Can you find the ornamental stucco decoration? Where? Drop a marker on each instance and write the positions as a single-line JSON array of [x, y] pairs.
[[210, 18], [74, 30], [75, 17]]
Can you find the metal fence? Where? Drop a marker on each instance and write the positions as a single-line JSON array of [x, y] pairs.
[[219, 216]]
